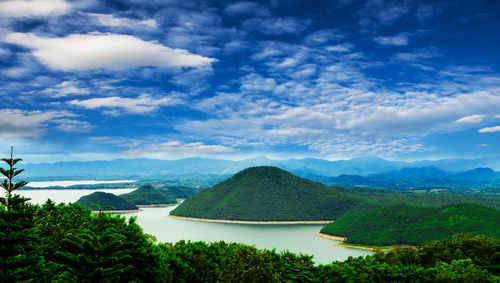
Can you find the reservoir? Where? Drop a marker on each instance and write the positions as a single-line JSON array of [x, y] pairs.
[[155, 221]]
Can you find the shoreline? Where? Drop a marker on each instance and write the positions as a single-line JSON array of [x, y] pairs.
[[321, 222], [118, 211], [156, 205], [363, 248], [347, 245], [330, 237]]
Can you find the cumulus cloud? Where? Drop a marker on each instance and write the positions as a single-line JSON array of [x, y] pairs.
[[143, 104], [104, 51], [33, 8], [489, 129], [473, 119], [397, 40]]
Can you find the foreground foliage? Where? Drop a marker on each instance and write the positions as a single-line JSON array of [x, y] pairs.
[[76, 246], [67, 243]]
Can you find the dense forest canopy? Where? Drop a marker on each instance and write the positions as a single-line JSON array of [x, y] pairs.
[[147, 195], [405, 224], [268, 194], [108, 201]]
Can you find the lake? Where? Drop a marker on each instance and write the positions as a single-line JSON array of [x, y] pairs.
[[45, 184], [155, 221]]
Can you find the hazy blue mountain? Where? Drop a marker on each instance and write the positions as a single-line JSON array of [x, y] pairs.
[[378, 171]]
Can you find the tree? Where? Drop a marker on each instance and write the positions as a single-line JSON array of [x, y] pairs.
[[8, 185], [20, 256]]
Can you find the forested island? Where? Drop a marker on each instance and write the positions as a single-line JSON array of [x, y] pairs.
[[106, 201], [268, 194], [147, 195]]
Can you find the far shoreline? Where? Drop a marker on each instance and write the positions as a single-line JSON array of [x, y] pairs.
[[118, 211], [320, 222]]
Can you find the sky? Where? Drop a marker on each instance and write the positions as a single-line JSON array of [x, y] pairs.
[[100, 80]]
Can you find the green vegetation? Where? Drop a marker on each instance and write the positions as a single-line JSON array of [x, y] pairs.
[[381, 197], [147, 195], [268, 194], [107, 200], [20, 258], [404, 224], [67, 243], [181, 192]]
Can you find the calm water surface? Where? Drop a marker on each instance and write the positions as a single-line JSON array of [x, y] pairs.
[[155, 221]]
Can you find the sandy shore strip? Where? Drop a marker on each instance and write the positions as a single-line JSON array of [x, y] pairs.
[[118, 211], [251, 222], [361, 247], [335, 238]]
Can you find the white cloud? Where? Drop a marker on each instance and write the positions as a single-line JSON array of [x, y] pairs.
[[195, 147], [489, 129], [324, 36], [343, 47], [473, 119], [15, 123], [276, 25], [254, 82], [246, 8], [65, 88], [397, 40], [418, 55], [33, 8], [112, 21], [497, 116], [143, 104], [104, 51], [72, 126]]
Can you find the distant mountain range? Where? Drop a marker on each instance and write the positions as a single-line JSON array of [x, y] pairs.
[[369, 171], [431, 177]]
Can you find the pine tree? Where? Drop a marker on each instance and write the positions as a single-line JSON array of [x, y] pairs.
[[20, 258], [96, 254]]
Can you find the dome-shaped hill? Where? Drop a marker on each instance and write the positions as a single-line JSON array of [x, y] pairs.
[[106, 199], [267, 194], [147, 195]]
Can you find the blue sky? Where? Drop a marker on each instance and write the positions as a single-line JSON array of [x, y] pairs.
[[91, 79]]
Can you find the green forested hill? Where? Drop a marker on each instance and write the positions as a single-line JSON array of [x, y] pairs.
[[268, 194], [404, 224], [147, 195], [106, 199]]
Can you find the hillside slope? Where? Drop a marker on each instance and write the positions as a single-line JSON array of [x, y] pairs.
[[404, 224], [268, 194], [106, 199], [147, 195]]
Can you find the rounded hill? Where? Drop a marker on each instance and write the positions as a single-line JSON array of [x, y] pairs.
[[268, 194], [147, 195], [106, 200]]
